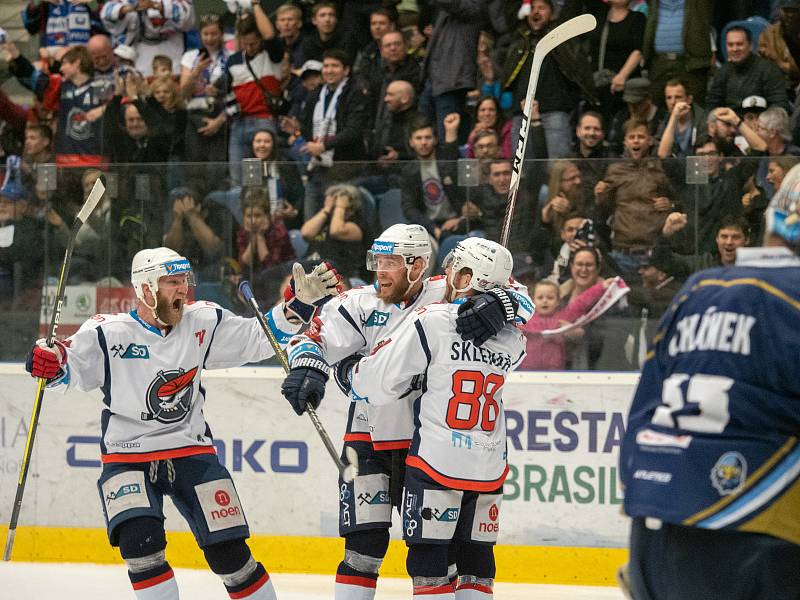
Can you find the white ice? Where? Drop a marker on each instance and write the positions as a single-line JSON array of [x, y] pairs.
[[46, 581]]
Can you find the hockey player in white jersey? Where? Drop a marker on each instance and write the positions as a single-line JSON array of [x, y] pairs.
[[155, 440], [458, 458], [357, 322]]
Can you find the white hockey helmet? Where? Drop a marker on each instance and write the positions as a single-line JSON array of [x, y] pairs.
[[491, 263], [152, 263], [783, 213], [407, 241]]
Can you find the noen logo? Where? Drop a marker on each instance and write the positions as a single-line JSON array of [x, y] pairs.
[[379, 247], [222, 498]]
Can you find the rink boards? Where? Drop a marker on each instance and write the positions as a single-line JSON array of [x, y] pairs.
[[560, 521]]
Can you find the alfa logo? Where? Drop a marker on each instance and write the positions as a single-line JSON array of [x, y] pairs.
[[131, 351], [169, 396], [377, 319]]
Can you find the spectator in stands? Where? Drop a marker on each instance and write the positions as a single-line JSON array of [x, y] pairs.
[[548, 353], [731, 232], [13, 118], [395, 65], [310, 79], [162, 67], [253, 75], [369, 61], [20, 238], [618, 41], [325, 36], [677, 45], [262, 241], [685, 122], [340, 231], [333, 124], [746, 74], [486, 147], [169, 111], [493, 198], [752, 106], [203, 72], [431, 196], [450, 69], [150, 28], [637, 194], [773, 128], [707, 204], [104, 61], [772, 42], [722, 129], [565, 195], [489, 116], [197, 231], [591, 150], [76, 96], [564, 77], [38, 149], [60, 23], [755, 201], [289, 23], [577, 231], [281, 179], [640, 106], [357, 23]]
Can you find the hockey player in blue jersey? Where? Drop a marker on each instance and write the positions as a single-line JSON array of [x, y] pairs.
[[711, 460], [155, 440]]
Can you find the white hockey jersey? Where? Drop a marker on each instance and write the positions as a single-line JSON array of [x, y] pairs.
[[151, 383], [357, 321], [460, 435]]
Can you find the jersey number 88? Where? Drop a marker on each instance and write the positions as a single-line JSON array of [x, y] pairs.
[[468, 389]]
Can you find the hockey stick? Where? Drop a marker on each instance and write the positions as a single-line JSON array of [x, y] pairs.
[[349, 470], [566, 31], [80, 219]]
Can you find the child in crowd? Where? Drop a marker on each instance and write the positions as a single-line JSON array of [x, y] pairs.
[[162, 67], [549, 353], [261, 241]]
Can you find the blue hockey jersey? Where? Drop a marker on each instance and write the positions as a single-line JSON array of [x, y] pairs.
[[712, 438]]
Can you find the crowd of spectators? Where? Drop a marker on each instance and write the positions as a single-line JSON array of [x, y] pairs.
[[252, 138]]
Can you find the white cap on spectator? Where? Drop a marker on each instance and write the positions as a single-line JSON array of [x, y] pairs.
[[311, 66], [756, 102], [125, 52]]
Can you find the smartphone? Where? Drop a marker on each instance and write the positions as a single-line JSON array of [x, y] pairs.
[[203, 54]]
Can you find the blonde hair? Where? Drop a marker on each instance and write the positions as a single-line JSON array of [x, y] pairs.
[[549, 283], [175, 100], [556, 173], [353, 196]]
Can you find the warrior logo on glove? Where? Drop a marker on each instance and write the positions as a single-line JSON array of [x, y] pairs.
[[169, 396]]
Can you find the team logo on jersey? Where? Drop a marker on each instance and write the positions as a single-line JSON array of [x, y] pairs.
[[377, 319], [169, 396], [130, 351], [729, 474]]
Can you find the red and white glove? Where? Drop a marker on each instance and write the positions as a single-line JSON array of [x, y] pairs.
[[524, 10], [44, 361], [307, 292]]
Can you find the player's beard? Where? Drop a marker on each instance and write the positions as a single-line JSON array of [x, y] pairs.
[[167, 313], [396, 293]]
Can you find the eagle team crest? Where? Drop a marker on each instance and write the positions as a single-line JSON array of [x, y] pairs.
[[169, 396]]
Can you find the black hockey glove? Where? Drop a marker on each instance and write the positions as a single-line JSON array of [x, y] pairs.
[[305, 382], [341, 372], [483, 316]]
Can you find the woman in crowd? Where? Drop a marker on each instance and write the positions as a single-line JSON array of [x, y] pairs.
[[754, 202], [262, 241], [281, 178], [166, 102], [340, 231], [617, 41], [489, 116]]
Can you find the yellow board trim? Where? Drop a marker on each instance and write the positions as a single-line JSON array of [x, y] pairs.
[[296, 554], [770, 289]]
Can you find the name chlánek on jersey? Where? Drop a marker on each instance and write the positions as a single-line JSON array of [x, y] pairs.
[[722, 331]]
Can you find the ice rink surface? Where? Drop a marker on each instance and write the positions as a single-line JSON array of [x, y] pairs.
[[45, 581]]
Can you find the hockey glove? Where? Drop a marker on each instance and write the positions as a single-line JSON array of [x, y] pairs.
[[305, 382], [307, 292], [483, 316], [343, 371], [44, 361]]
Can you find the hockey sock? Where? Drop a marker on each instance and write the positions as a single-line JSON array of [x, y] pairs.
[[157, 583], [256, 585], [433, 588], [357, 576], [474, 588]]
